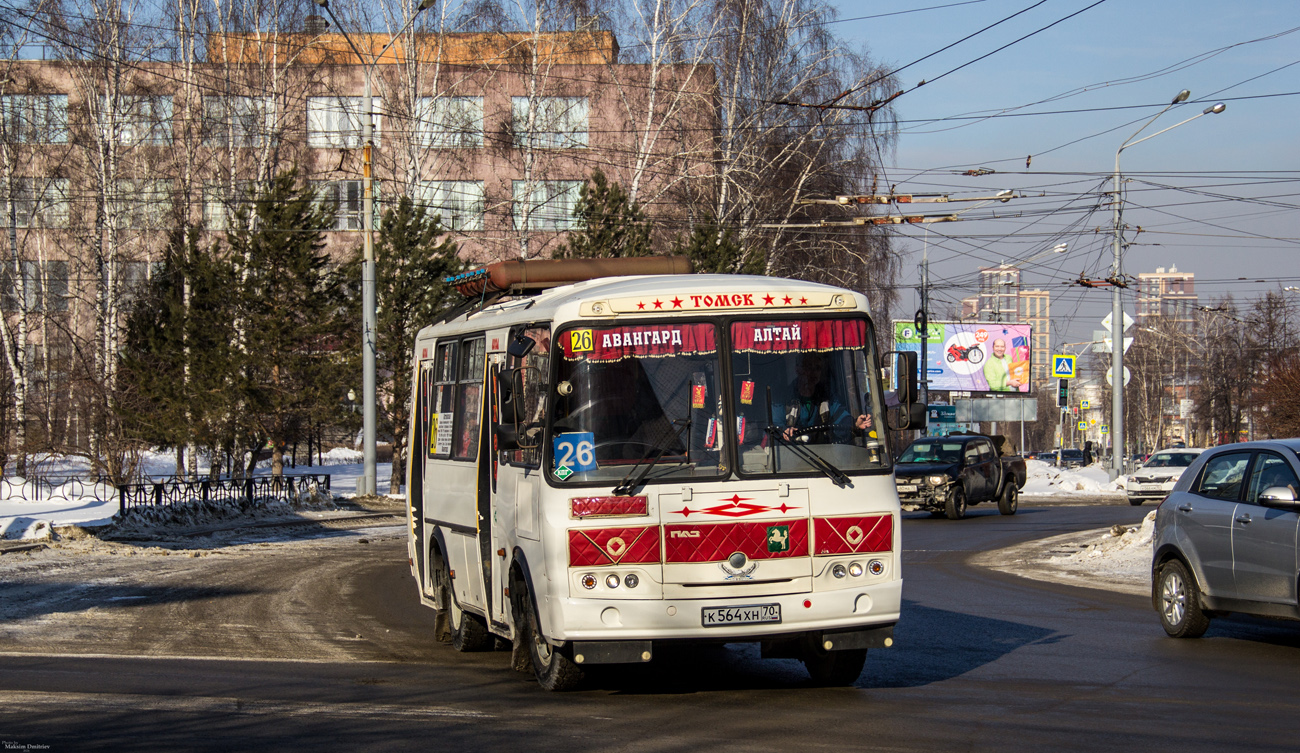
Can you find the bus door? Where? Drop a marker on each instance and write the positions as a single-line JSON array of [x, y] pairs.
[[518, 409], [451, 478]]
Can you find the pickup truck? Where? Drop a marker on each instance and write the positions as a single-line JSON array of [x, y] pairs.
[[946, 474]]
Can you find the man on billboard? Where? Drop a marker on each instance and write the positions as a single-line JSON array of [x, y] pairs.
[[997, 370]]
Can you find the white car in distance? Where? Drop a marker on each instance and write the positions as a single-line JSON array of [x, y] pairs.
[[1157, 476]]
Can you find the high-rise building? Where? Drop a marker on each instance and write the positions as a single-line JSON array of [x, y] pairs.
[[1169, 294], [999, 293], [1036, 310]]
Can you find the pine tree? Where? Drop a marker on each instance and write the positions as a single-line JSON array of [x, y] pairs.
[[294, 334], [180, 370], [410, 266], [610, 224], [714, 250]]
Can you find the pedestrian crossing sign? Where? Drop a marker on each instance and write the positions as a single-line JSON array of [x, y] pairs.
[[1105, 429], [1063, 367], [1083, 426]]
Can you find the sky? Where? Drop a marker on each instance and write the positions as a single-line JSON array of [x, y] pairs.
[[1216, 196]]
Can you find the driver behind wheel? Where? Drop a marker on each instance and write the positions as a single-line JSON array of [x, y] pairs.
[[813, 414]]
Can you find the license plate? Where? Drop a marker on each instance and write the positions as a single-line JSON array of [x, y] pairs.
[[752, 614], [907, 487]]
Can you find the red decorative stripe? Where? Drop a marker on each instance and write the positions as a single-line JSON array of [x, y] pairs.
[[714, 542], [591, 547], [596, 507], [854, 535]]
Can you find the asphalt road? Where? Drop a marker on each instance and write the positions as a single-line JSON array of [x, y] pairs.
[[320, 645]]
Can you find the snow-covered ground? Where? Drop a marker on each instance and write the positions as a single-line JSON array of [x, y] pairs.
[[29, 510], [1048, 480]]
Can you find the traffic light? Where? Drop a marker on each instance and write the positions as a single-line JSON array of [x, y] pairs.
[[1062, 392], [1075, 411]]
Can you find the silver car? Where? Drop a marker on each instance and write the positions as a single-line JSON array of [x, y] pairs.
[[1226, 537]]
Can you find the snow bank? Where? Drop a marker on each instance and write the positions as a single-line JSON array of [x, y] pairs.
[[30, 511], [1123, 553], [1046, 479]]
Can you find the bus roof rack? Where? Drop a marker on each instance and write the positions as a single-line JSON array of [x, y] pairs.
[[518, 277]]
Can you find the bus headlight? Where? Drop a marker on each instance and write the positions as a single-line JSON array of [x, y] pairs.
[[631, 580], [612, 580], [855, 569]]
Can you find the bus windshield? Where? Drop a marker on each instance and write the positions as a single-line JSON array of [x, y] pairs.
[[629, 394], [809, 383]]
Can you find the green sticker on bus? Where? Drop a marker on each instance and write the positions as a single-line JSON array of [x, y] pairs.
[[563, 472]]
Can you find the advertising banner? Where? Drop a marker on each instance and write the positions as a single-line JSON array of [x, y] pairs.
[[972, 356]]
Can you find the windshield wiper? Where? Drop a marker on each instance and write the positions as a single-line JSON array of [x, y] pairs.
[[639, 471], [810, 457]]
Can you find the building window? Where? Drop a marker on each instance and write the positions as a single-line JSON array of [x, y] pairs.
[[338, 122], [450, 122], [545, 204], [237, 121], [220, 203], [144, 120], [558, 122], [45, 286], [38, 202], [34, 118], [347, 197], [140, 204], [460, 203]]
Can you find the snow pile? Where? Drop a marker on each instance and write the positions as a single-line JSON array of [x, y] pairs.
[[1123, 552], [141, 521], [1046, 479], [30, 510]]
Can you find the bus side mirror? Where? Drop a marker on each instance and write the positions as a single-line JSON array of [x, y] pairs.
[[911, 413], [521, 346]]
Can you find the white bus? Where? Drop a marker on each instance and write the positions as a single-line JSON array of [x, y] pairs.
[[602, 467]]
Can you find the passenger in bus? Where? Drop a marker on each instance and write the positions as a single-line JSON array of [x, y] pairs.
[[814, 414]]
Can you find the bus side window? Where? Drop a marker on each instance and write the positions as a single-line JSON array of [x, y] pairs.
[[469, 395], [441, 411], [535, 372]]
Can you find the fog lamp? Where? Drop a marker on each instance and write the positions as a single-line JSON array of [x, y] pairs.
[[855, 569], [631, 580], [588, 581], [611, 580], [838, 570]]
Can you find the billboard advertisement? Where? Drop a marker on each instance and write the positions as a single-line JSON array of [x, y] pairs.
[[972, 356]]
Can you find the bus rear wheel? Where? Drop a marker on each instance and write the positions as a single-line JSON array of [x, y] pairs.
[[468, 631], [554, 670]]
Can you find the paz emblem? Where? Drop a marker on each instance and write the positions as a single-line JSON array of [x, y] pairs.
[[735, 568]]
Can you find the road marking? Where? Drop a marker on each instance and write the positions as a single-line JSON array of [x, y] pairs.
[[114, 703], [184, 657]]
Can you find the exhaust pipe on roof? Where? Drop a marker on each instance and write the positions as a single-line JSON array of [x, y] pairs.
[[517, 276]]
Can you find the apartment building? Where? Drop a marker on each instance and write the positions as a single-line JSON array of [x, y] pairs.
[[1169, 294], [1036, 310], [101, 159]]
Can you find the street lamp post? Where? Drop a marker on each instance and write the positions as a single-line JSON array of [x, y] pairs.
[[368, 483], [1117, 307]]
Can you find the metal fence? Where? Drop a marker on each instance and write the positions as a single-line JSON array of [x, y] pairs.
[[243, 493]]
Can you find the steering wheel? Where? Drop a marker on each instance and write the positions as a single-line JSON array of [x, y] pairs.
[[805, 431]]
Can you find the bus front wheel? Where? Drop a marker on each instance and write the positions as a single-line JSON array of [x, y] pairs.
[[553, 669]]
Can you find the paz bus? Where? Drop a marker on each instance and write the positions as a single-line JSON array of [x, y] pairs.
[[607, 456]]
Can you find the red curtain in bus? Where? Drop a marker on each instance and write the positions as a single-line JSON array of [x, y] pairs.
[[609, 344], [798, 336]]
